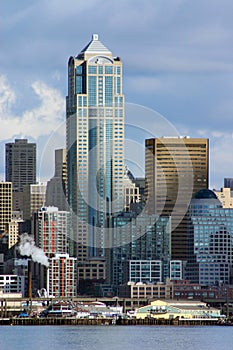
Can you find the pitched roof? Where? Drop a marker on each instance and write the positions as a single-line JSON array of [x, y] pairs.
[[95, 47]]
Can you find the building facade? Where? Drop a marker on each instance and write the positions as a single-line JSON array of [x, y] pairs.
[[62, 276], [211, 234], [95, 147], [56, 186], [33, 199], [176, 168], [225, 195], [51, 229], [139, 240], [6, 205]]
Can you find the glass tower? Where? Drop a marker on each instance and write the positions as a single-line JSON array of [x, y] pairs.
[[95, 147]]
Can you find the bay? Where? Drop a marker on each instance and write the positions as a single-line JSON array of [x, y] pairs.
[[116, 337]]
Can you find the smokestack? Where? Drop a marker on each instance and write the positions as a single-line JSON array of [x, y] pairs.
[[29, 278], [48, 281]]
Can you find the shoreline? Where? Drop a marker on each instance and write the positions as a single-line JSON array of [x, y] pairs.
[[108, 322]]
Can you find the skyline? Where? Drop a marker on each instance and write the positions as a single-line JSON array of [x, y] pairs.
[[177, 61]]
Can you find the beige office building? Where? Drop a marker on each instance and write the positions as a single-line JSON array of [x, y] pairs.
[[33, 199], [5, 205], [176, 168], [225, 195]]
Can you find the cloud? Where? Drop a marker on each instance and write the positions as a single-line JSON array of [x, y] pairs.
[[7, 96], [39, 120]]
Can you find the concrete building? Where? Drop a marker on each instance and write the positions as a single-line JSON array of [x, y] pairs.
[[13, 232], [51, 228], [12, 284], [20, 168], [95, 147], [62, 276], [56, 186], [176, 168], [5, 205]]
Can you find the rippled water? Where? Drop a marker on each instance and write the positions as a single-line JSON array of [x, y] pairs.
[[115, 338]]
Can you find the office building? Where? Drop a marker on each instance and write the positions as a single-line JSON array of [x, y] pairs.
[[33, 199], [176, 168], [13, 232], [20, 168], [225, 195], [137, 242], [56, 186], [130, 191], [5, 205], [210, 231], [95, 147], [228, 182]]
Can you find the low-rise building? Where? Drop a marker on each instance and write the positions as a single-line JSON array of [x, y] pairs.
[[181, 309]]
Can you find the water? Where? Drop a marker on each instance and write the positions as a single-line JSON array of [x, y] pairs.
[[115, 338]]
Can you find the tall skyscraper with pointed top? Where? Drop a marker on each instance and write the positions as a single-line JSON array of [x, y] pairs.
[[95, 147]]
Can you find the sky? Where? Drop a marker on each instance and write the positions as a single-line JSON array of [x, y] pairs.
[[177, 64]]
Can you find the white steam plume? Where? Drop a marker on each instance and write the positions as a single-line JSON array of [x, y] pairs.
[[27, 247]]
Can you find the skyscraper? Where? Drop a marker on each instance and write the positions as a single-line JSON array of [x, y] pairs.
[[95, 146], [210, 231], [176, 168], [56, 186], [20, 168]]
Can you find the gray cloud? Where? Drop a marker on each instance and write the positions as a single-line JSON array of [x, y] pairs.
[[177, 55]]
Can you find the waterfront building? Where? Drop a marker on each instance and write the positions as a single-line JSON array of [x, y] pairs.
[[20, 168], [6, 205], [62, 276], [176, 168], [210, 232], [51, 229], [95, 147], [181, 309], [56, 186]]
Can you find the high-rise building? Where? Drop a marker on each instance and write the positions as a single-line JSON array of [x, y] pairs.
[[56, 186], [176, 168], [228, 182], [95, 146], [137, 240], [51, 229], [210, 231], [20, 168], [62, 276], [6, 205]]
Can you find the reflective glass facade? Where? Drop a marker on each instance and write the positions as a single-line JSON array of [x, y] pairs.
[[95, 146]]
